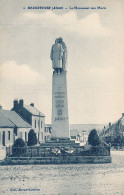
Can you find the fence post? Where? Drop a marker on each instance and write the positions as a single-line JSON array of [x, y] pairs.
[[38, 151], [6, 150], [50, 151], [31, 152], [44, 152], [102, 151], [76, 150]]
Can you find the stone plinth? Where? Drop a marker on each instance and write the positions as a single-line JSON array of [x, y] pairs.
[[60, 121]]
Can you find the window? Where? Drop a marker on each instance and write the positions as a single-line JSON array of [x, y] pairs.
[[15, 131], [41, 124], [35, 123], [46, 129], [42, 136], [50, 130], [25, 136], [8, 135]]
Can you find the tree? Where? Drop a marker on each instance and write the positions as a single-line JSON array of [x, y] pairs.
[[32, 139], [93, 138], [18, 147], [118, 141]]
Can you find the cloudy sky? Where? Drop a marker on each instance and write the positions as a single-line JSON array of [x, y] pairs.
[[95, 43]]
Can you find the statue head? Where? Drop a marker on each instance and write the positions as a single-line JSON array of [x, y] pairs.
[[60, 39]]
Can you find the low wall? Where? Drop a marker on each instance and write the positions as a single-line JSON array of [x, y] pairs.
[[56, 160]]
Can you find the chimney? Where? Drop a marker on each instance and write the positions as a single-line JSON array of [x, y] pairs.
[[0, 107], [109, 124], [15, 103], [122, 114], [21, 102], [32, 104]]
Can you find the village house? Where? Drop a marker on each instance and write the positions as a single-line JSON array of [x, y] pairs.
[[12, 126], [33, 116], [113, 131], [6, 130]]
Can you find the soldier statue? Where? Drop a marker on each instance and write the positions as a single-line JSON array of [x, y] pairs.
[[59, 56], [64, 58]]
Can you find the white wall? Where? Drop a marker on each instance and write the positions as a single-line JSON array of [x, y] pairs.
[[21, 133], [38, 129], [7, 141]]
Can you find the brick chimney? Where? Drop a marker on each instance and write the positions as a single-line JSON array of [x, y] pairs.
[[32, 104], [21, 102], [15, 104], [109, 124]]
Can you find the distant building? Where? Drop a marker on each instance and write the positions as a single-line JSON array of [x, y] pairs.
[[12, 126], [47, 133], [80, 132], [33, 116]]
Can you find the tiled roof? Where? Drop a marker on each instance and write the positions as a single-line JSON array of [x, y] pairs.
[[4, 121], [122, 121], [16, 119], [33, 110]]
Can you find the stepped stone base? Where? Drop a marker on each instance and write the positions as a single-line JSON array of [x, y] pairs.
[[57, 160], [60, 142]]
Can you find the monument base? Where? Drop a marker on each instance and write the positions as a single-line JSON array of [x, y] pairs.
[[62, 142], [57, 160], [60, 121]]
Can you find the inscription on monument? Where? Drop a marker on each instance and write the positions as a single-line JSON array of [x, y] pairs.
[[60, 118], [59, 105], [59, 112]]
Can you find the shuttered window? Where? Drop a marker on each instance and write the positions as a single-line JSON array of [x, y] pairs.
[[8, 135]]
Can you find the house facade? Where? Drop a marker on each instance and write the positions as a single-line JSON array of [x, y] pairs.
[[6, 131], [21, 128], [47, 132], [12, 126], [33, 116]]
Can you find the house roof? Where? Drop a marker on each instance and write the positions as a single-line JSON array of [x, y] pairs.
[[16, 119], [33, 110], [122, 121], [4, 121], [108, 128]]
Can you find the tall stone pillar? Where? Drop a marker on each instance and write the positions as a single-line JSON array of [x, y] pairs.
[[60, 121]]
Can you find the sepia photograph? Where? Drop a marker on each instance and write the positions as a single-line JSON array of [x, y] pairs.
[[62, 97]]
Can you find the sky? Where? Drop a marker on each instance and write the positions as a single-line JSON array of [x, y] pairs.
[[95, 67]]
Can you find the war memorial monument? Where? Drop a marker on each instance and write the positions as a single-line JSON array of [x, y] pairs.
[[60, 149], [60, 121]]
